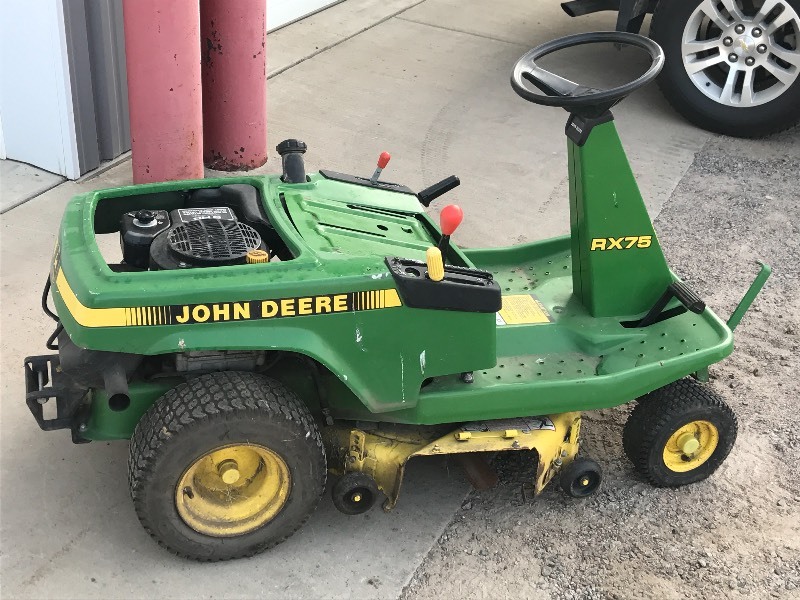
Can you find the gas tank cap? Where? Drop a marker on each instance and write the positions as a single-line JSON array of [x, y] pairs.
[[145, 218]]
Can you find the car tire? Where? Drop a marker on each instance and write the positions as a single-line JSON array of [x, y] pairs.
[[716, 96]]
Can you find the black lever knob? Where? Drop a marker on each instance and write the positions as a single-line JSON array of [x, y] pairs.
[[429, 194], [687, 297]]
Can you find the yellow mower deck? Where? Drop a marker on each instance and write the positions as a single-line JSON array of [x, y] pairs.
[[382, 453]]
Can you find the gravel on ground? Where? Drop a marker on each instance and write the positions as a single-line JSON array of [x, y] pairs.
[[735, 535]]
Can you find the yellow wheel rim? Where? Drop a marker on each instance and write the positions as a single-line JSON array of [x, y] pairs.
[[233, 490], [690, 446]]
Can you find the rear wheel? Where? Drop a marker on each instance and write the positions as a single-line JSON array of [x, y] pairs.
[[226, 465], [732, 66], [679, 434]]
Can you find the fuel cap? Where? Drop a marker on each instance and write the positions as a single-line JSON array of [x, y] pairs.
[[144, 218]]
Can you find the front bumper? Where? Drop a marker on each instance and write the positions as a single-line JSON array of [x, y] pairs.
[[41, 371]]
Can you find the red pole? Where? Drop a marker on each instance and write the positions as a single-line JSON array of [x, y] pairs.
[[234, 59], [162, 47]]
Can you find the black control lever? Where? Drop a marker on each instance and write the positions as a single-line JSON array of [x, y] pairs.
[[429, 194], [688, 297], [678, 289]]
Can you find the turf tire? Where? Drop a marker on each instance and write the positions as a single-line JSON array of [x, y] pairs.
[[207, 412], [662, 412]]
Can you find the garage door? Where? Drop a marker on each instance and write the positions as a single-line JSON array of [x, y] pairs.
[[281, 12]]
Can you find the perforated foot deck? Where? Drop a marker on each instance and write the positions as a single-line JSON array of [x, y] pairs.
[[570, 359]]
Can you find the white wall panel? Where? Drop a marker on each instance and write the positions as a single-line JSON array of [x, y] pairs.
[[281, 12], [35, 94]]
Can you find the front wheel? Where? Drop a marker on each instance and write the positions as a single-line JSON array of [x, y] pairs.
[[679, 434], [732, 66], [225, 465]]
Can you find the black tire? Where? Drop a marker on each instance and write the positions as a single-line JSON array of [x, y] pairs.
[[667, 26], [355, 493], [581, 478], [663, 413], [216, 411]]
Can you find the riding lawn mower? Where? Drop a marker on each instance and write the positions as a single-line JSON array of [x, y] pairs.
[[260, 332]]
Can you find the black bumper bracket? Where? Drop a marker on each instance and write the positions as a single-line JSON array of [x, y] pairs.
[[42, 377]]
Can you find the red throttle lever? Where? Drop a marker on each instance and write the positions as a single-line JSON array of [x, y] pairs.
[[449, 220], [383, 160]]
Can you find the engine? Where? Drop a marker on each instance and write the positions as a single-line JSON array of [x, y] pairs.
[[216, 227]]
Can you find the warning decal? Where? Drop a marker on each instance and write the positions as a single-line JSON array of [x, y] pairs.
[[523, 425], [523, 309]]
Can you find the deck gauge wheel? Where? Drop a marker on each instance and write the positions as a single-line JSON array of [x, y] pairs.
[[355, 493], [581, 478]]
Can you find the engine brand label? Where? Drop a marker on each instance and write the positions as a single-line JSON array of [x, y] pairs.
[[221, 312], [195, 214], [622, 243]]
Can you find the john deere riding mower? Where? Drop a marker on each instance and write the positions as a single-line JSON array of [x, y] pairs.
[[260, 332]]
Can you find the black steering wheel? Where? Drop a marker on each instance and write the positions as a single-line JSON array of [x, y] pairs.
[[557, 91]]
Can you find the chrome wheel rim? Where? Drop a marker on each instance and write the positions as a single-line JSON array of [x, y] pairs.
[[742, 53]]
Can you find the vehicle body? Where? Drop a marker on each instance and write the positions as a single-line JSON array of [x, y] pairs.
[[732, 66], [335, 302]]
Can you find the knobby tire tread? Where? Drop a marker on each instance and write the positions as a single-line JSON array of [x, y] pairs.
[[654, 412], [201, 398]]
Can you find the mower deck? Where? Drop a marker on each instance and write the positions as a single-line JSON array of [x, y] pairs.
[[382, 452]]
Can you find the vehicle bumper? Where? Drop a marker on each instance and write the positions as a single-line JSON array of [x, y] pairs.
[[45, 383]]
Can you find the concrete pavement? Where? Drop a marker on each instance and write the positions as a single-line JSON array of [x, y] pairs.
[[20, 182], [427, 81]]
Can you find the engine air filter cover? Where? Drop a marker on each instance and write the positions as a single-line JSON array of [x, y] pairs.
[[213, 242], [204, 242]]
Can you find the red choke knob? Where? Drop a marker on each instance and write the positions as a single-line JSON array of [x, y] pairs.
[[384, 159], [451, 218]]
